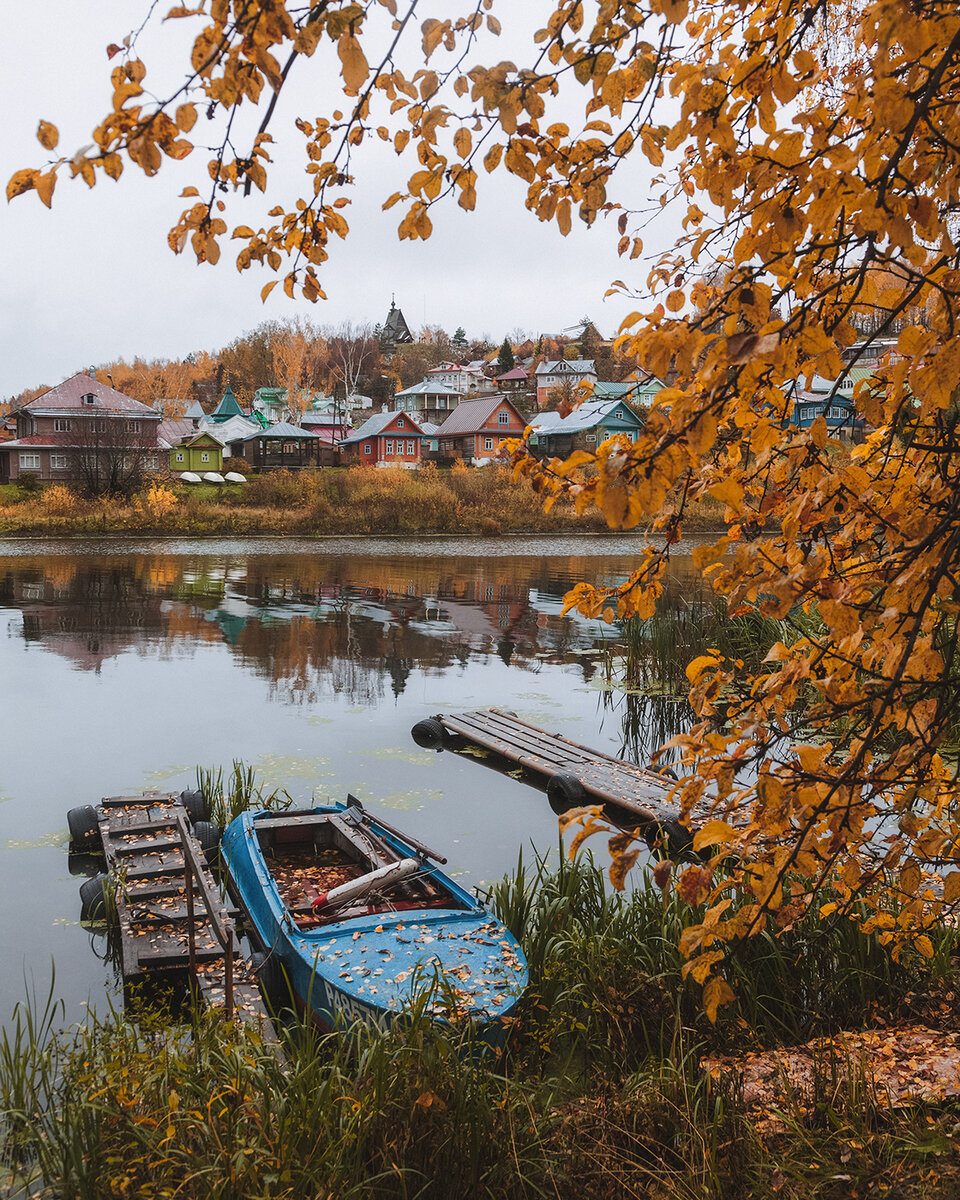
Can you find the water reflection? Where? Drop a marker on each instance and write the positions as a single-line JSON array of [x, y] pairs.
[[311, 626], [125, 670]]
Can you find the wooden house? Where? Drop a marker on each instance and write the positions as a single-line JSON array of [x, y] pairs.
[[200, 453], [79, 430], [475, 429], [387, 439], [584, 428]]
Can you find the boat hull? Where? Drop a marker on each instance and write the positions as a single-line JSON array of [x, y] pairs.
[[372, 967]]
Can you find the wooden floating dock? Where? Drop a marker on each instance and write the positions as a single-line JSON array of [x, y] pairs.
[[605, 779], [168, 906]]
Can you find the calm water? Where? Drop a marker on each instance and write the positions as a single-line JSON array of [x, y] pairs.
[[124, 665]]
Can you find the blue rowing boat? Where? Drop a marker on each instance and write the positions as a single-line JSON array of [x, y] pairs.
[[361, 920]]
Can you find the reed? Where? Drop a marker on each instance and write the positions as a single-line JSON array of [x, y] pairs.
[[599, 1094], [223, 802]]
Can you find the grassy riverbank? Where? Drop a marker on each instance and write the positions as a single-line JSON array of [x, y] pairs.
[[354, 500], [600, 1094]]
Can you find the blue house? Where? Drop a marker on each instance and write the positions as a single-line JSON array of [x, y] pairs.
[[584, 428], [831, 399]]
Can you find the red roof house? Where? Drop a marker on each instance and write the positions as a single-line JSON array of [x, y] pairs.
[[475, 429], [387, 439], [78, 430]]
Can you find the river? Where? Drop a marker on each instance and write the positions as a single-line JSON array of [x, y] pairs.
[[127, 664]]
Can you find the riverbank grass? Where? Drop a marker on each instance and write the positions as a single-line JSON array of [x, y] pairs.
[[600, 1092], [353, 500]]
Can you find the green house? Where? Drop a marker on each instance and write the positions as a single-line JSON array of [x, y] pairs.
[[200, 453]]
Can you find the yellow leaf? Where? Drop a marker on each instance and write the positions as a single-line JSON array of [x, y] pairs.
[[951, 887], [463, 142], [700, 664], [185, 117], [713, 833], [20, 182], [45, 185], [268, 288], [355, 69], [47, 135], [924, 945], [716, 992], [492, 158]]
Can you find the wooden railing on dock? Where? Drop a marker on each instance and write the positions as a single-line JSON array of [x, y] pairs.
[[161, 879]]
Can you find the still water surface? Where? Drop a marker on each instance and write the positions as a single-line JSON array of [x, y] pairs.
[[125, 665]]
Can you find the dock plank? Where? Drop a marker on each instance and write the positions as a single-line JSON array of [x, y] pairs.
[[639, 792], [147, 842]]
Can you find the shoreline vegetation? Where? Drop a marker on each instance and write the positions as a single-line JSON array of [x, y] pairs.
[[601, 1092], [468, 501]]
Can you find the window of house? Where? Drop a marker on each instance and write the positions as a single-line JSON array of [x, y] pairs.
[[488, 443], [366, 447], [58, 462], [411, 448], [503, 418], [134, 426], [389, 449], [61, 425], [399, 422], [29, 462], [152, 463], [205, 456], [179, 458], [591, 438], [88, 398]]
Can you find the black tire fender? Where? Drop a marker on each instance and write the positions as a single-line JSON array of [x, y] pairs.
[[84, 827], [565, 790], [93, 898], [208, 835], [428, 734], [193, 802], [674, 839]]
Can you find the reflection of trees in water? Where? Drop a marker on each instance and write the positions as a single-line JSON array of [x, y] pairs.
[[646, 722], [311, 625]]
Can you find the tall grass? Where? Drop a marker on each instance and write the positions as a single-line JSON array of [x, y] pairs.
[[598, 1094], [223, 802]]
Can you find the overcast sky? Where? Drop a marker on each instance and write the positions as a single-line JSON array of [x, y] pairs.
[[94, 280]]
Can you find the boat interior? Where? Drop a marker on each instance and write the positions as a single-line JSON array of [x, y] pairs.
[[316, 852]]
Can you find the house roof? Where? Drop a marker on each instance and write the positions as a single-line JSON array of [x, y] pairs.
[[575, 366], [469, 415], [230, 430], [427, 388], [229, 406], [378, 422], [34, 441], [283, 430], [589, 415], [514, 373], [395, 328], [611, 391], [195, 412], [67, 395], [172, 431], [315, 417]]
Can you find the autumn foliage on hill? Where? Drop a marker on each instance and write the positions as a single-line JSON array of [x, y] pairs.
[[814, 151]]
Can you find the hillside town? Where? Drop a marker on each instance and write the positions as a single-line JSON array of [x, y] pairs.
[[572, 393]]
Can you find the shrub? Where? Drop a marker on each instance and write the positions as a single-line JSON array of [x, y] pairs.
[[28, 482], [59, 500]]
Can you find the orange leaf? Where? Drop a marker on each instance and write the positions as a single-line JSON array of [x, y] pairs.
[[20, 182], [47, 135]]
